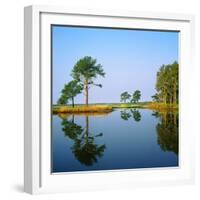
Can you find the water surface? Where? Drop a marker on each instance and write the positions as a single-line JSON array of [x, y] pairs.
[[122, 139]]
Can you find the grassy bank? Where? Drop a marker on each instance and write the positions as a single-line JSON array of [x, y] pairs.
[[94, 114], [82, 109], [94, 108], [106, 108], [162, 106], [128, 105]]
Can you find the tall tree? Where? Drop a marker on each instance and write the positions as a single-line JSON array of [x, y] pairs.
[[125, 96], [175, 80], [167, 83], [136, 96], [86, 71], [70, 90]]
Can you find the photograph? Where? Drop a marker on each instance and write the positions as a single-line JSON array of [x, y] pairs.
[[114, 98]]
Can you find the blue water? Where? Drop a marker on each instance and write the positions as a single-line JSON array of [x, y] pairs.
[[122, 139]]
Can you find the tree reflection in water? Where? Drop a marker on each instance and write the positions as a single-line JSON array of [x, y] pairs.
[[136, 115], [125, 114], [85, 148], [167, 131], [71, 129], [128, 113]]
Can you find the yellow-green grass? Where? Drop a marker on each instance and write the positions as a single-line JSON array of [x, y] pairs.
[[106, 108], [82, 109], [162, 106], [128, 105], [96, 114]]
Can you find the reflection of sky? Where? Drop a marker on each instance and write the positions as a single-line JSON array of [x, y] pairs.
[[130, 59]]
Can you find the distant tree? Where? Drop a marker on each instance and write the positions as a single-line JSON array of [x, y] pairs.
[[69, 91], [85, 71], [136, 96], [125, 96]]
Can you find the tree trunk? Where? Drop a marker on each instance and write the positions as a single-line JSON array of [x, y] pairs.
[[165, 98], [86, 92], [175, 99], [170, 99], [87, 127], [175, 119], [72, 101]]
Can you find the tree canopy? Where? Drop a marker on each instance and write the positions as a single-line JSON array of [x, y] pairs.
[[62, 99], [85, 71], [136, 96], [167, 84], [69, 91], [125, 96]]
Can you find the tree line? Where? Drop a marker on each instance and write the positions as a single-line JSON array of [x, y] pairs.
[[167, 86]]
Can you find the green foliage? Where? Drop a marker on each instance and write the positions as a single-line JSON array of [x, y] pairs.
[[85, 71], [136, 96], [125, 96], [167, 84], [155, 97], [69, 91], [62, 100]]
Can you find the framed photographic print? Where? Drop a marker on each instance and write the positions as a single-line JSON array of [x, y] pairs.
[[107, 99]]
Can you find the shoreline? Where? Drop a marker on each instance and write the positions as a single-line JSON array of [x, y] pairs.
[[106, 108]]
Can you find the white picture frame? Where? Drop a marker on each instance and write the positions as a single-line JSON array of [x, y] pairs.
[[37, 140]]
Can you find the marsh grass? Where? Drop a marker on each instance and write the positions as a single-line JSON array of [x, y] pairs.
[[82, 109], [127, 105], [162, 106], [97, 109], [69, 115]]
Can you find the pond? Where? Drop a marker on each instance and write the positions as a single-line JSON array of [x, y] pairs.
[[122, 139]]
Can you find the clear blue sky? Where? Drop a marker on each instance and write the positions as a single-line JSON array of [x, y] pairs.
[[130, 59]]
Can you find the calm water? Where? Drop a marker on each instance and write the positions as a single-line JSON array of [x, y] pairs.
[[122, 139]]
